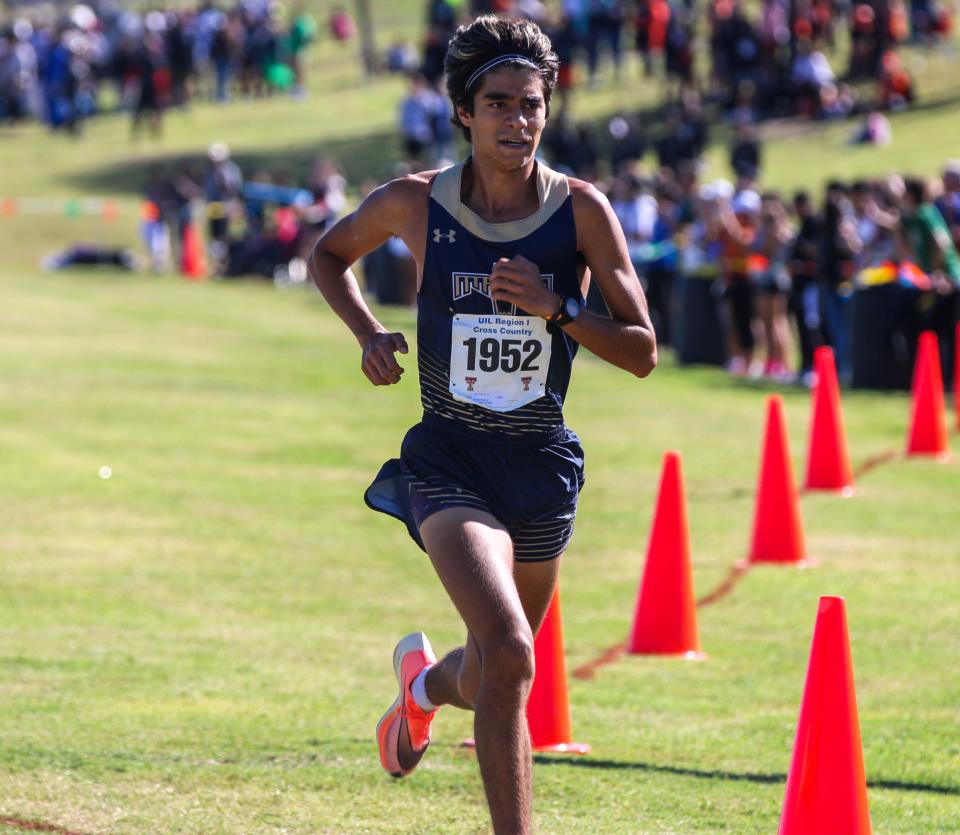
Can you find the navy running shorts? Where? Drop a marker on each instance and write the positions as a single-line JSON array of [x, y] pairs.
[[530, 484]]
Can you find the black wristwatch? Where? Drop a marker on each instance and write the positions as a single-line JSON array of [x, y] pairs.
[[568, 311]]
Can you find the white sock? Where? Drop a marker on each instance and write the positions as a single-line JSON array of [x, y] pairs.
[[419, 692]]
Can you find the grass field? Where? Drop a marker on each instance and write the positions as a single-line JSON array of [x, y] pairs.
[[201, 643]]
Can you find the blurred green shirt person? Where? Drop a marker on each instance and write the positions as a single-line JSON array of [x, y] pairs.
[[927, 235]]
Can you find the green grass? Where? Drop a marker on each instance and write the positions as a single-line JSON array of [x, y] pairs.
[[201, 643]]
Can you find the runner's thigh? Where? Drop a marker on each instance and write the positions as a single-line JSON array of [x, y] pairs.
[[472, 554]]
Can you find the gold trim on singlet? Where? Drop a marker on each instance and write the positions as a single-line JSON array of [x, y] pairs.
[[552, 189]]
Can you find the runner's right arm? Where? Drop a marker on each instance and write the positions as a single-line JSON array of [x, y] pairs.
[[379, 216]]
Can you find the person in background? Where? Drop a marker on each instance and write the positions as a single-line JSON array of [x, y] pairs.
[[628, 143], [695, 122], [223, 188], [565, 40], [736, 230], [636, 209], [650, 21], [327, 179], [220, 54], [925, 239], [840, 248], [679, 142], [661, 268], [679, 47], [772, 244], [604, 25], [804, 303], [303, 32], [698, 242], [745, 153], [153, 77], [586, 152], [810, 74], [153, 221], [417, 117], [179, 57], [876, 226], [949, 200]]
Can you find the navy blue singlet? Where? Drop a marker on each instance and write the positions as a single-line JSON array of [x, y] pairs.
[[461, 249], [523, 466]]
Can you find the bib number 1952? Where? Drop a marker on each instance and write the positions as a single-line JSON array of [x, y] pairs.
[[499, 362], [506, 355]]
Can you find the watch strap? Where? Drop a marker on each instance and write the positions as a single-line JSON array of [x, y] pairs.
[[560, 317]]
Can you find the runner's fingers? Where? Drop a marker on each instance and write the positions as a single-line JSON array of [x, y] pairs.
[[523, 261], [512, 272], [504, 282], [370, 374], [386, 365], [508, 294]]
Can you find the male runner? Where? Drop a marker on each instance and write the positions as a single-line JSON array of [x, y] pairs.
[[487, 482]]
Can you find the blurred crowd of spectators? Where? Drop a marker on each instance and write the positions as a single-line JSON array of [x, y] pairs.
[[53, 66], [770, 258], [777, 58], [781, 271], [773, 60], [257, 223], [779, 268]]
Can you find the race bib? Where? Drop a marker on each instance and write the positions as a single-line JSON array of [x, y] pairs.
[[499, 362]]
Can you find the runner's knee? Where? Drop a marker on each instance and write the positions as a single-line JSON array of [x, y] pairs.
[[507, 660]]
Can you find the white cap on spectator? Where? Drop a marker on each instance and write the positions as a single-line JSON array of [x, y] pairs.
[[83, 17], [619, 127], [22, 29], [219, 152], [746, 202], [722, 188], [156, 21], [952, 167]]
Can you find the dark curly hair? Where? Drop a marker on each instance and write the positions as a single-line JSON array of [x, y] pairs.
[[484, 40]]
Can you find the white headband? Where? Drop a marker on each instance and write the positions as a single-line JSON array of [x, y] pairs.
[[503, 59]]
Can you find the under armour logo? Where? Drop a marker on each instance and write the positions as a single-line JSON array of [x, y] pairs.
[[526, 382], [451, 236], [471, 381]]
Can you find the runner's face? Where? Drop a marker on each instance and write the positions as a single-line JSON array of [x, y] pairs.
[[509, 112]]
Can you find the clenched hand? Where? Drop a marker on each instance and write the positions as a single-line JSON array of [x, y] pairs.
[[379, 363]]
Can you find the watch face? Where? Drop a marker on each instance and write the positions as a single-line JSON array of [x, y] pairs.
[[572, 307]]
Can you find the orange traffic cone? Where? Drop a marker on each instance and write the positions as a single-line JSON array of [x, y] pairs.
[[828, 465], [548, 711], [665, 620], [777, 527], [193, 263], [827, 786], [928, 421]]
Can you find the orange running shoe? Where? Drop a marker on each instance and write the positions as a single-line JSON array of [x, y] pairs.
[[412, 655]]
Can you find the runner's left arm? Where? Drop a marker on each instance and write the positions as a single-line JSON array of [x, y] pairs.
[[626, 339]]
